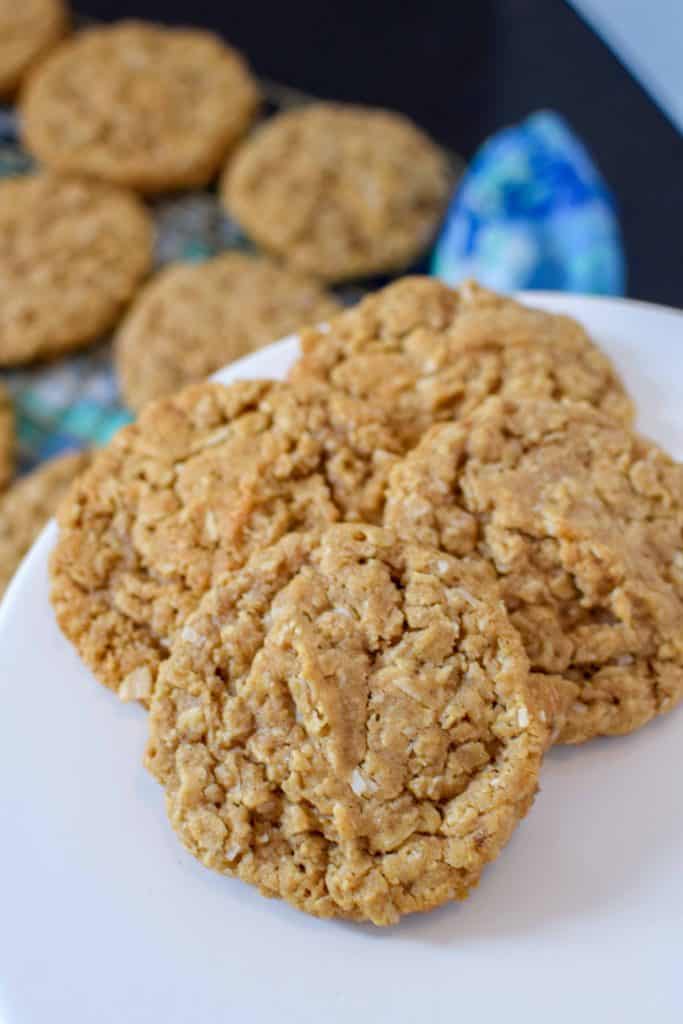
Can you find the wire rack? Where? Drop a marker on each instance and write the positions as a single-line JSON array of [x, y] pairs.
[[75, 402]]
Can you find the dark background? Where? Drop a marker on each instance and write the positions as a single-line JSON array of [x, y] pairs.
[[463, 70]]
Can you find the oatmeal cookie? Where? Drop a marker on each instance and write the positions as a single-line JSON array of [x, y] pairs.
[[72, 253], [348, 727], [28, 30], [194, 318], [27, 505], [140, 105], [191, 490], [583, 521], [339, 191], [427, 352], [6, 438]]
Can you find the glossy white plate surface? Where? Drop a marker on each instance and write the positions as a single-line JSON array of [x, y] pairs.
[[105, 919]]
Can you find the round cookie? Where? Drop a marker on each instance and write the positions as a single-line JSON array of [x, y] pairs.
[[191, 319], [426, 352], [72, 253], [28, 30], [191, 490], [6, 438], [339, 191], [139, 105], [583, 521], [26, 507], [348, 727]]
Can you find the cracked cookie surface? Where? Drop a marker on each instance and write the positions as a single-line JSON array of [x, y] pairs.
[[426, 352], [192, 319], [140, 105], [339, 191], [26, 507], [28, 30], [583, 522], [348, 725], [72, 253], [192, 490]]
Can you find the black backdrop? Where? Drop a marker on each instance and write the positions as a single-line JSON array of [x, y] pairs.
[[462, 70]]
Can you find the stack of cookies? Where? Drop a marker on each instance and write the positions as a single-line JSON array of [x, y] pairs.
[[361, 604], [116, 116]]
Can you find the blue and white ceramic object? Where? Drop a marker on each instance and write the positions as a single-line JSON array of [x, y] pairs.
[[533, 212]]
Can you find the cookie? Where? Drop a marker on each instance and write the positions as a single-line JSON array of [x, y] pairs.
[[191, 490], [72, 253], [583, 521], [425, 352], [139, 105], [194, 318], [28, 30], [6, 438], [348, 728], [26, 507], [339, 191]]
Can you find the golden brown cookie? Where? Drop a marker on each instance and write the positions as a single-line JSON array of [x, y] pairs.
[[190, 491], [72, 253], [26, 507], [426, 352], [583, 521], [339, 191], [191, 319], [139, 105], [348, 727], [28, 30], [6, 438]]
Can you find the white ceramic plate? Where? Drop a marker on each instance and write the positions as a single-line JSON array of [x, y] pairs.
[[105, 919]]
